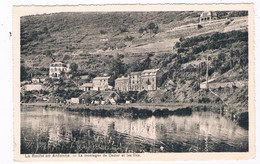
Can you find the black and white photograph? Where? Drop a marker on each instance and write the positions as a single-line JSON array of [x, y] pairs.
[[138, 82]]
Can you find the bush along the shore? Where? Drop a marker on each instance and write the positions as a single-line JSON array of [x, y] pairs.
[[242, 120], [132, 112]]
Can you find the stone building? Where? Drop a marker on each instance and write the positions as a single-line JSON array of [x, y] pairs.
[[102, 83], [149, 79], [122, 84], [207, 16], [135, 81], [56, 70], [33, 87], [86, 87]]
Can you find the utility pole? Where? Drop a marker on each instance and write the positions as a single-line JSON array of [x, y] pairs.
[[199, 79], [207, 64], [199, 74]]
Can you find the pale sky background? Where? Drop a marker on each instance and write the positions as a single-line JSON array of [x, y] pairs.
[[6, 115]]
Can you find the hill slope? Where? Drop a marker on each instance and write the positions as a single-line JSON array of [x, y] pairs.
[[116, 44]]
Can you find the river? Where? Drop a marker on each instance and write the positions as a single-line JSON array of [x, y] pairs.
[[57, 131]]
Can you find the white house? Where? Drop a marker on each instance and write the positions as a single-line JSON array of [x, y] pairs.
[[56, 70]]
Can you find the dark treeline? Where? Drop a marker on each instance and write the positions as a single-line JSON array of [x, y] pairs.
[[132, 112]]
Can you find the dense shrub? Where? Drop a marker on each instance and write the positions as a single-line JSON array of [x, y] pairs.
[[225, 68], [129, 38], [215, 41], [142, 96], [217, 100], [141, 30], [181, 50], [177, 45], [204, 100], [123, 29], [103, 32], [199, 26]]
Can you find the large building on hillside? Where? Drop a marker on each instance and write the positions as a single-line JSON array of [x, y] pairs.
[[138, 81], [122, 84], [149, 79], [207, 16], [102, 83], [56, 70], [135, 81]]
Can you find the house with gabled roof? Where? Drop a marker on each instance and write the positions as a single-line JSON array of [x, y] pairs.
[[102, 83], [207, 16], [57, 69]]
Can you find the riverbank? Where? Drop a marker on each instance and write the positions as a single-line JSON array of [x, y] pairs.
[[143, 110]]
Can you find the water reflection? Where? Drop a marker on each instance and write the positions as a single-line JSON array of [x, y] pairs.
[[48, 131]]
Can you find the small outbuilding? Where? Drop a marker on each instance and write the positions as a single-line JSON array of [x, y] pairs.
[[74, 100], [128, 102], [207, 16], [33, 87]]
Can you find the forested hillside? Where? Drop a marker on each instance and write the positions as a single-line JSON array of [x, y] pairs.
[[119, 43]]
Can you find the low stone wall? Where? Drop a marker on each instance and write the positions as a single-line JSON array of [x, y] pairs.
[[238, 84]]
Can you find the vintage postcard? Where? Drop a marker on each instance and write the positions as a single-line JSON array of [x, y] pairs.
[[133, 82]]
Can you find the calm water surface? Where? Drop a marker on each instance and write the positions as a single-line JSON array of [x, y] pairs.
[[55, 131]]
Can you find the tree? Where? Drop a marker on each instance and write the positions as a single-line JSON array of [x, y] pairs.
[[33, 35], [152, 28], [177, 45], [117, 67], [102, 32], [123, 29], [48, 53], [73, 67], [45, 30], [23, 73], [146, 63], [141, 30]]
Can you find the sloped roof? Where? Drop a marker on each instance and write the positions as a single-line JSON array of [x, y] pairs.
[[58, 64], [208, 13], [214, 14], [209, 81], [136, 73], [122, 78], [84, 76], [205, 14], [101, 78], [87, 85], [150, 70]]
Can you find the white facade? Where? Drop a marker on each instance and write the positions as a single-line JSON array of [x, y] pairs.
[[56, 69], [33, 87], [101, 83], [74, 100]]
